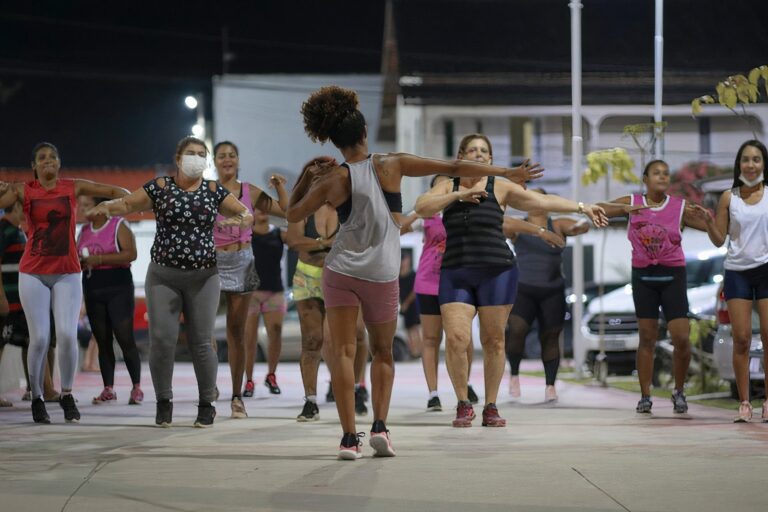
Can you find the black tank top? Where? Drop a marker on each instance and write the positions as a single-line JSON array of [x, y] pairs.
[[310, 231], [540, 264], [267, 253], [474, 233]]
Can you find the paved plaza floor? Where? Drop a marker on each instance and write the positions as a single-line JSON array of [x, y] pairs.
[[588, 452]]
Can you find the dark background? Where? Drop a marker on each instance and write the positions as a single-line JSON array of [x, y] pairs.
[[105, 81]]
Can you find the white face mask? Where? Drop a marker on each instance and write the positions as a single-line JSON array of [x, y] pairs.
[[193, 165], [751, 183]]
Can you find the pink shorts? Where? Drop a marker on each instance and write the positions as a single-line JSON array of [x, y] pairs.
[[379, 301], [267, 302]]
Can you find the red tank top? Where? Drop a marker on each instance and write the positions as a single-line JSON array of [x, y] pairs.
[[50, 216]]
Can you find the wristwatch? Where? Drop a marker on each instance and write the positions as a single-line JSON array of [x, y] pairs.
[[581, 207]]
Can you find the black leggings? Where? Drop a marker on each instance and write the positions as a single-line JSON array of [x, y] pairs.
[[547, 305], [110, 311]]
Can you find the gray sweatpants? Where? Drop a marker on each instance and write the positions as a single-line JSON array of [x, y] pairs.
[[39, 294], [195, 293]]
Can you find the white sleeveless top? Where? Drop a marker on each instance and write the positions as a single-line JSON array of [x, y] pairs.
[[748, 233], [367, 245]]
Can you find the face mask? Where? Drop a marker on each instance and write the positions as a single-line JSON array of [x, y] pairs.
[[193, 165], [751, 183]]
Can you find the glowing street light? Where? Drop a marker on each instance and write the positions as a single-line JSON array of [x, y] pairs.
[[198, 131], [190, 102]]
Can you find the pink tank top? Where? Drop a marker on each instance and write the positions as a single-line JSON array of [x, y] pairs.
[[101, 241], [655, 233], [428, 272], [225, 235]]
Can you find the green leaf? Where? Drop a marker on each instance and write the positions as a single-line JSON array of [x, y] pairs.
[[696, 107], [754, 76], [730, 99]]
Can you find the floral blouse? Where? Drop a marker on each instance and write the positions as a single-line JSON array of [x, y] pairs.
[[185, 220]]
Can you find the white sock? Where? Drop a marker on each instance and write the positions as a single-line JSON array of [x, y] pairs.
[[311, 398], [433, 394]]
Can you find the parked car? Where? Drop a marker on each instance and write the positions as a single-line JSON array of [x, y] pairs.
[[722, 351], [619, 322]]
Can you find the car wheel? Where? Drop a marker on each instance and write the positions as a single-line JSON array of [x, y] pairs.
[[400, 350]]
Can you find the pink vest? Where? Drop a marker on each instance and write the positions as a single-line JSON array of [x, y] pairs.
[[101, 241], [428, 272], [655, 233], [230, 234]]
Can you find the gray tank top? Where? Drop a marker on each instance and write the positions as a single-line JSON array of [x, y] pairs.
[[367, 245]]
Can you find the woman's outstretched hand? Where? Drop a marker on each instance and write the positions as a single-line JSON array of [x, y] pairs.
[[596, 214], [525, 172]]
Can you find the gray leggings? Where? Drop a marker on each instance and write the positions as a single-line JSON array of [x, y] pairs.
[[170, 291], [39, 294]]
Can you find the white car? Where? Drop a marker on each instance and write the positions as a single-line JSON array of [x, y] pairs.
[[618, 320]]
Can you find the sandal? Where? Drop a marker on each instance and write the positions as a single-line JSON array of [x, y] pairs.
[[745, 412]]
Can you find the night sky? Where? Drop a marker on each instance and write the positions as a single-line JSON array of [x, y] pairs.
[[105, 81]]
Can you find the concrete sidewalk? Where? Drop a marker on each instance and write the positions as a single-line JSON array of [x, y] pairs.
[[587, 452]]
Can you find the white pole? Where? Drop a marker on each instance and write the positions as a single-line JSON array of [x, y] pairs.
[[576, 168], [657, 80]]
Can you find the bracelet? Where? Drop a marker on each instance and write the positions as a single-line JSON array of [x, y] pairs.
[[542, 230], [581, 208]]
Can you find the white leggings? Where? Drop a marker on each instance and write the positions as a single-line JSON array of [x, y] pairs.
[[41, 293]]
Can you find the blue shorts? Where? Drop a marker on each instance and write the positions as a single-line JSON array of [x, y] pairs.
[[479, 286], [750, 284]]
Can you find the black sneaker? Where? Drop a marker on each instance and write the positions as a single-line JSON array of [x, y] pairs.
[[39, 414], [164, 413], [351, 446], [310, 412], [380, 441], [471, 395], [205, 414], [644, 405], [329, 395], [271, 382], [364, 392], [71, 414], [679, 403], [360, 408], [434, 404]]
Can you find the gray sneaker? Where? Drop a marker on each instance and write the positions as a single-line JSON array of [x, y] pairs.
[[644, 405], [679, 405]]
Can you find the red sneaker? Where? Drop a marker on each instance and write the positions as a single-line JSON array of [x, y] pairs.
[[137, 396], [464, 415], [106, 396], [491, 417], [271, 382], [249, 389]]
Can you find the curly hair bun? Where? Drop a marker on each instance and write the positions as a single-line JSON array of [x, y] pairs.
[[326, 109]]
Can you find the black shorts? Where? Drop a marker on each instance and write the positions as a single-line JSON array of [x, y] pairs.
[[547, 305], [428, 304], [662, 287], [411, 316], [750, 284]]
